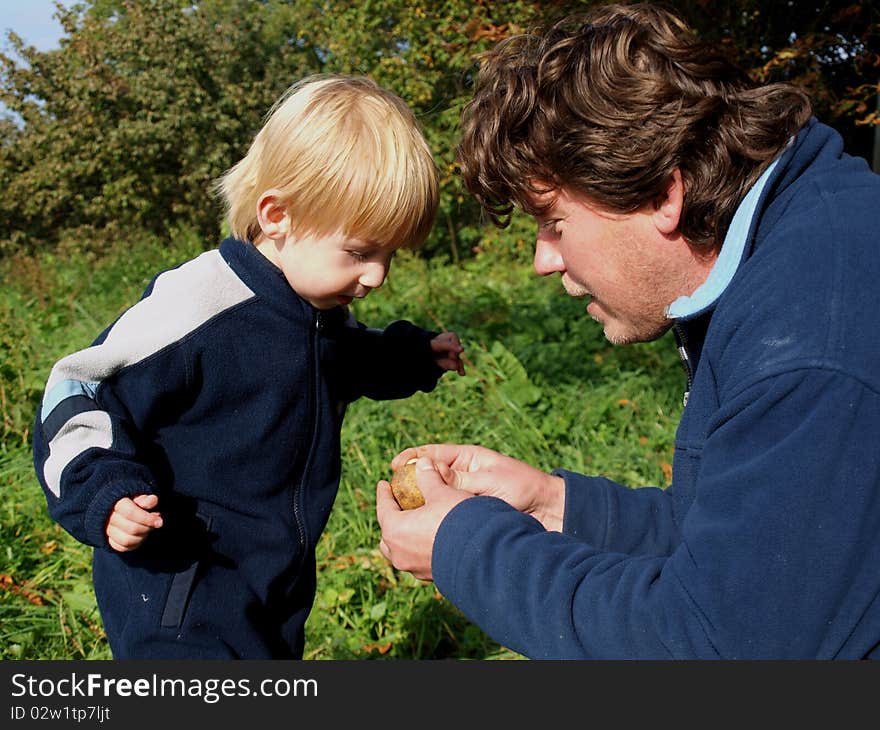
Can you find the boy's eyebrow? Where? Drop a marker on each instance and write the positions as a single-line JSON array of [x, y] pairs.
[[364, 244], [357, 241]]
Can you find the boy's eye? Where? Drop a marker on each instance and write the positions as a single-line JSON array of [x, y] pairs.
[[358, 256]]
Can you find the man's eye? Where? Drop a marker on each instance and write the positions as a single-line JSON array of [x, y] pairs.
[[550, 225]]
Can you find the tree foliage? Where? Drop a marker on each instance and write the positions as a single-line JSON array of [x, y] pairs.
[[831, 49], [125, 126], [128, 122]]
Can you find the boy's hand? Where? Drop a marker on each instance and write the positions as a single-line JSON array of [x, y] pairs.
[[447, 352], [131, 521]]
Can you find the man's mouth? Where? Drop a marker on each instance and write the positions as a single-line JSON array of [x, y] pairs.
[[576, 291]]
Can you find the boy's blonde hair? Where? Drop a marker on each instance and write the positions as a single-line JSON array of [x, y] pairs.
[[347, 155]]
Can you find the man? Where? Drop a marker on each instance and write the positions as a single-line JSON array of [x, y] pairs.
[[673, 192]]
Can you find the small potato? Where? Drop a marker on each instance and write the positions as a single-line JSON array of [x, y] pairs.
[[404, 488]]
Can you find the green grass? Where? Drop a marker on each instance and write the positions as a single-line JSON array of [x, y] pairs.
[[542, 385]]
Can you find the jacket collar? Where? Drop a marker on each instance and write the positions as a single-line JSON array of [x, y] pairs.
[[733, 251], [267, 281]]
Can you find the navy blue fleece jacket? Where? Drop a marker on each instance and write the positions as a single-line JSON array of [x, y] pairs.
[[223, 392], [767, 542]]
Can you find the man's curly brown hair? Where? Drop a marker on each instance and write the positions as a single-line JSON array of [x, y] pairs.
[[608, 104]]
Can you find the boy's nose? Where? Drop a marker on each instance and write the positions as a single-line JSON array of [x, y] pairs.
[[373, 275]]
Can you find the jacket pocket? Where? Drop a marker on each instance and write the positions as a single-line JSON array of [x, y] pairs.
[[182, 588]]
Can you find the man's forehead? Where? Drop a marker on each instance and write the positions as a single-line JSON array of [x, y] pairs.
[[543, 199], [561, 202]]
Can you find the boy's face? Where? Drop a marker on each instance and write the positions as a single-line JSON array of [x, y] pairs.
[[329, 270]]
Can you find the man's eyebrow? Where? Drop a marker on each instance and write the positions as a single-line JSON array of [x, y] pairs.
[[550, 212]]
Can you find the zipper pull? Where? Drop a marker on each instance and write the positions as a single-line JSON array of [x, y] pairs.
[[685, 361], [683, 354]]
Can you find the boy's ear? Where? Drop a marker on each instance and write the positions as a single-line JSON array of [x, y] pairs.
[[272, 216], [667, 207]]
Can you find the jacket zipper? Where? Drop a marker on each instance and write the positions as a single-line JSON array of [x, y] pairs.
[[312, 410], [681, 341]]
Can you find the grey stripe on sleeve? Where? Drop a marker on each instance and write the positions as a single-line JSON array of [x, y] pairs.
[[181, 301], [84, 431]]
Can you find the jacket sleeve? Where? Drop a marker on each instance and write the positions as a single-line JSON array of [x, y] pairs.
[[386, 364], [776, 556], [617, 518], [89, 448]]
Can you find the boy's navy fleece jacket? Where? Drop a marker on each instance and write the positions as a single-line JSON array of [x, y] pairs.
[[222, 391], [767, 543]]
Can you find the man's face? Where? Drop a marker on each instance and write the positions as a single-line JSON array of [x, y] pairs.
[[630, 270]]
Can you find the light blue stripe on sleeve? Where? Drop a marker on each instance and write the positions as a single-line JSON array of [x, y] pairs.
[[66, 389]]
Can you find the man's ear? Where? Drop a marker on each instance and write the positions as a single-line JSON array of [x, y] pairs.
[[272, 216], [667, 207]]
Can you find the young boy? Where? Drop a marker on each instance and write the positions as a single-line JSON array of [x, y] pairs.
[[195, 444]]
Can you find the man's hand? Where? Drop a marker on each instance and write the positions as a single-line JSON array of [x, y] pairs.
[[131, 521], [408, 536], [481, 471]]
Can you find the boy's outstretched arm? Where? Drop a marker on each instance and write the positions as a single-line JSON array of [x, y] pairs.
[[447, 349], [394, 362]]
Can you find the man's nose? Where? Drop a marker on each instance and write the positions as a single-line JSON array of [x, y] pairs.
[[547, 257]]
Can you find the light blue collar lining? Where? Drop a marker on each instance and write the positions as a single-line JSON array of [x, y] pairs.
[[728, 259]]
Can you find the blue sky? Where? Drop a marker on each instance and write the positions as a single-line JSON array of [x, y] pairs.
[[34, 21], [31, 19]]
